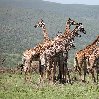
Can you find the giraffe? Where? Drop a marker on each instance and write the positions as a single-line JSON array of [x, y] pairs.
[[70, 22], [71, 37], [94, 61], [61, 46], [42, 25], [31, 53], [60, 39], [34, 53], [83, 56]]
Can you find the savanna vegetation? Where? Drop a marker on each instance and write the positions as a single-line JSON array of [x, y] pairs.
[[17, 33], [18, 17], [13, 86]]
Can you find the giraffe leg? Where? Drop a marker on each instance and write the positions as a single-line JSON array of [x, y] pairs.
[[82, 76], [75, 70], [97, 75], [84, 71], [52, 75], [60, 73], [25, 73], [80, 72], [53, 72], [25, 76], [84, 80], [41, 77], [69, 77], [65, 71], [93, 75]]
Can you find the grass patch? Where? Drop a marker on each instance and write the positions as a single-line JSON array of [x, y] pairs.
[[13, 86]]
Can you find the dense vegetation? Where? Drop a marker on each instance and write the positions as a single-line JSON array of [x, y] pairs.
[[18, 17]]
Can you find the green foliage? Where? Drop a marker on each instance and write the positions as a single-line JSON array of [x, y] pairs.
[[13, 86], [11, 60], [18, 17]]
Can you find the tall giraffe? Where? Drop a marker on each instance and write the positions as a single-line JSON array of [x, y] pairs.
[[83, 55], [42, 25], [34, 53], [70, 22], [41, 47], [62, 45], [60, 41], [71, 37]]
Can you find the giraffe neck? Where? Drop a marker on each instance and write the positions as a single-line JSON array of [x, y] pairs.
[[96, 42], [45, 33], [71, 35], [67, 30], [92, 46], [89, 50]]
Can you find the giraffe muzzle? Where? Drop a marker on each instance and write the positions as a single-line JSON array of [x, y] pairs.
[[35, 26]]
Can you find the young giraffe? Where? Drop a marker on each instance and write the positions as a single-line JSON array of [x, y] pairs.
[[83, 55]]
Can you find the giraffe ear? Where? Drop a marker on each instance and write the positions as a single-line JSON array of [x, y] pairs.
[[80, 23], [69, 18], [41, 20], [77, 23], [35, 26]]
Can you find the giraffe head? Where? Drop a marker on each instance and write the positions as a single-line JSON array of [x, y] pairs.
[[81, 28], [40, 24], [71, 22]]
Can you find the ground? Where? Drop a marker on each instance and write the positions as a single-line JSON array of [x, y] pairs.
[[13, 86]]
